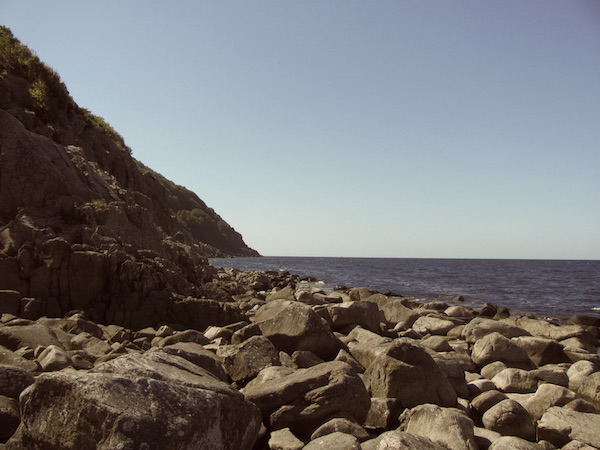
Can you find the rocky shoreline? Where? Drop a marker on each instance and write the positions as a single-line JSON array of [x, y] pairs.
[[302, 368]]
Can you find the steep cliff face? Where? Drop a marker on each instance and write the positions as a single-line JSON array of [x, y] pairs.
[[83, 225]]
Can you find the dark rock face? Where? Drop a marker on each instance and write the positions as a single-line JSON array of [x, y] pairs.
[[83, 225]]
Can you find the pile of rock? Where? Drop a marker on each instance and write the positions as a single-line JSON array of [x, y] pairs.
[[351, 369]]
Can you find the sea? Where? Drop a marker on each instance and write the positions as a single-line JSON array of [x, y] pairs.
[[545, 288]]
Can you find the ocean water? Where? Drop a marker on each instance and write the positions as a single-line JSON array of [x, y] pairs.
[[548, 288]]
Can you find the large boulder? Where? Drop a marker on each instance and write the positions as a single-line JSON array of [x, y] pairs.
[[481, 327], [303, 399], [515, 380], [542, 351], [546, 396], [398, 315], [295, 326], [365, 314], [432, 325], [246, 360], [400, 440], [137, 401], [560, 425], [509, 418], [408, 373], [496, 347], [447, 427], [13, 380]]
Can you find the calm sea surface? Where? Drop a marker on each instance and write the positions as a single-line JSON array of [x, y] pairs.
[[550, 288]]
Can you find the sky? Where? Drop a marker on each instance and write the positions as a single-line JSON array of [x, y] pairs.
[[389, 128]]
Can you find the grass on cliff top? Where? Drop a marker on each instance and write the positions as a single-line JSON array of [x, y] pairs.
[[48, 93]]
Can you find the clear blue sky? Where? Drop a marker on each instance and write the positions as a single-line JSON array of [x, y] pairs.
[[352, 128]]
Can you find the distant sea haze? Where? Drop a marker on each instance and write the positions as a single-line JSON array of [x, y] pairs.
[[548, 288]]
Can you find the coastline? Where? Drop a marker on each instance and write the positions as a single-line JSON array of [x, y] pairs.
[[306, 367]]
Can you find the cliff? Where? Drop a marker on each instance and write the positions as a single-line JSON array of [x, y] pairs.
[[83, 225]]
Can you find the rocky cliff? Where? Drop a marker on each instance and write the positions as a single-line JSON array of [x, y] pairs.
[[83, 225]]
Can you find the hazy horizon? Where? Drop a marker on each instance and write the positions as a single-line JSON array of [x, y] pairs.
[[395, 129]]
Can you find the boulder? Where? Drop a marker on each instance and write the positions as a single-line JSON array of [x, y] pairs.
[[546, 396], [515, 443], [496, 347], [334, 441], [481, 327], [135, 401], [541, 328], [587, 386], [486, 400], [459, 312], [432, 325], [400, 440], [383, 413], [304, 358], [54, 358], [10, 301], [10, 358], [342, 425], [284, 439], [29, 335], [198, 355], [490, 370], [297, 327], [244, 361], [185, 336], [285, 293], [9, 417], [447, 427], [398, 315], [552, 373], [509, 418], [542, 351], [407, 372], [485, 437], [515, 380], [560, 425], [303, 399], [364, 314], [13, 380]]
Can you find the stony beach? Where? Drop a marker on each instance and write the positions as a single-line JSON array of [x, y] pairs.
[[349, 369]]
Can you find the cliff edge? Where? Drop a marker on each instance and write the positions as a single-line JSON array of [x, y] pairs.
[[85, 226]]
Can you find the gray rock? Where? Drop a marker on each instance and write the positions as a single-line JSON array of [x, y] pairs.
[[9, 417], [515, 380], [198, 355], [496, 347], [515, 443], [13, 380], [485, 437], [546, 396], [486, 400], [432, 325], [383, 413], [304, 358], [284, 439], [407, 372], [398, 315], [185, 336], [364, 314], [560, 425], [447, 427], [302, 399], [490, 370], [342, 425], [334, 441], [509, 418], [542, 351], [297, 327], [481, 327], [30, 335], [246, 360], [153, 400], [54, 358], [400, 440]]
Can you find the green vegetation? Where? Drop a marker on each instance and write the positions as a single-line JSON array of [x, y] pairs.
[[48, 93], [192, 214], [47, 90]]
